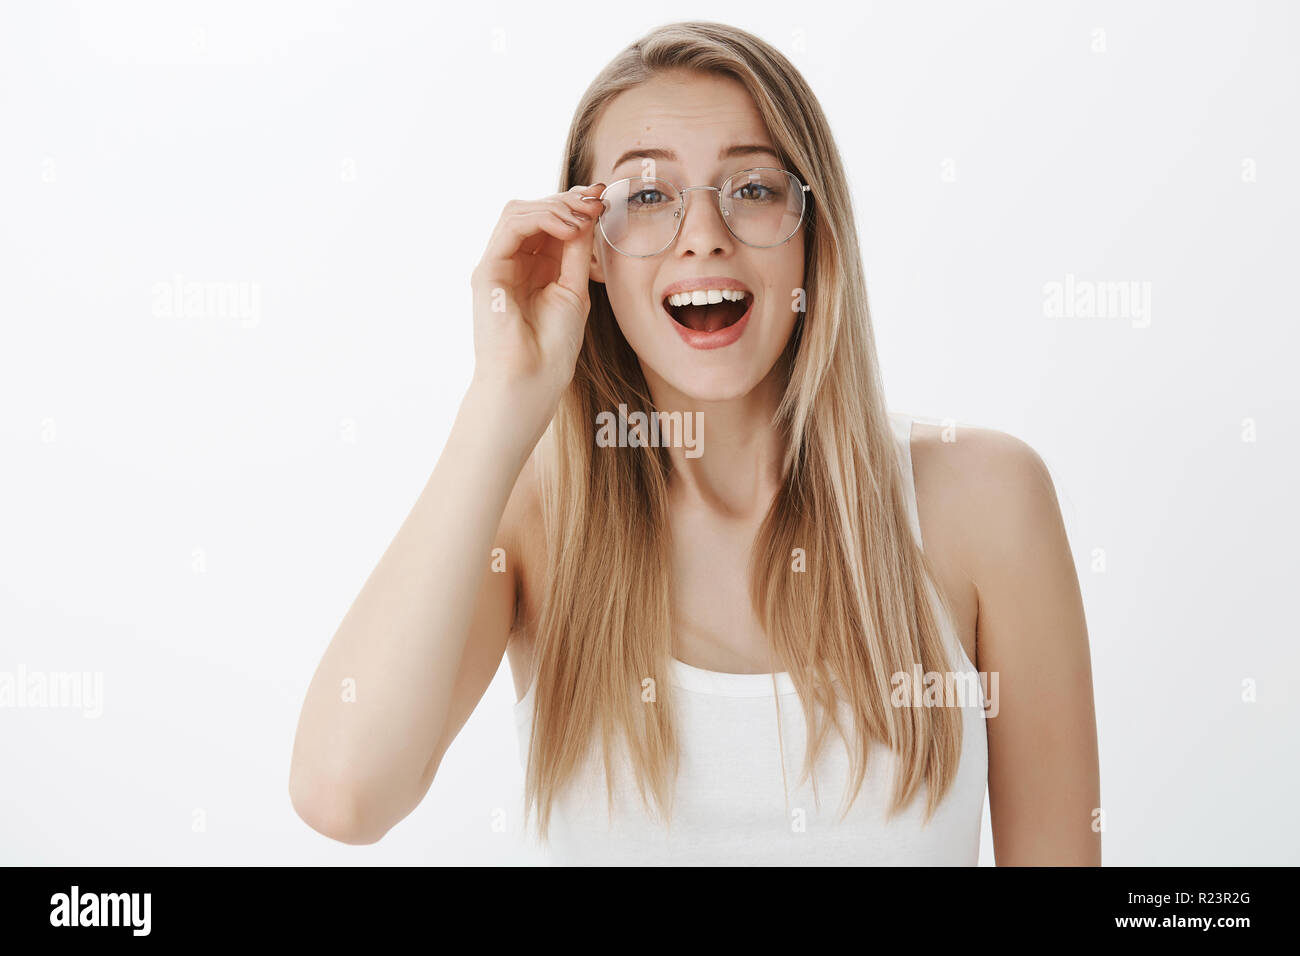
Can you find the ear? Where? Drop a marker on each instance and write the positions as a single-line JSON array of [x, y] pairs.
[[597, 271]]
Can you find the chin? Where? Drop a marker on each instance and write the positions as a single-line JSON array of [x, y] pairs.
[[721, 375], [714, 385], [717, 374]]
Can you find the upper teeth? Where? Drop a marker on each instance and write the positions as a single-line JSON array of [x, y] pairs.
[[705, 297]]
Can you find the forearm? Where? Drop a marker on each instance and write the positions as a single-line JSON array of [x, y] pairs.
[[379, 701]]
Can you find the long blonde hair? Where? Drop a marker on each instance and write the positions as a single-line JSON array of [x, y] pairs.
[[858, 614]]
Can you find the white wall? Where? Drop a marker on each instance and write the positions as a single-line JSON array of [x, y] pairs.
[[190, 504]]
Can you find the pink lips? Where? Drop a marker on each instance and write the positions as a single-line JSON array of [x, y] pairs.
[[714, 340]]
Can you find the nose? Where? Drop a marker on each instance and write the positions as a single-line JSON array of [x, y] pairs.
[[703, 230]]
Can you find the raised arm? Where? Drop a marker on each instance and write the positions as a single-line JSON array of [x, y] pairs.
[[424, 637]]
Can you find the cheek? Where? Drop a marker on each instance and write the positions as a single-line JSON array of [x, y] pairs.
[[776, 328], [787, 301], [650, 340], [632, 309], [634, 318]]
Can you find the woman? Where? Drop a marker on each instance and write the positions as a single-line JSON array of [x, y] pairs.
[[693, 612]]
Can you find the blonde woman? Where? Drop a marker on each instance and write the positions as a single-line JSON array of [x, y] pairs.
[[733, 587]]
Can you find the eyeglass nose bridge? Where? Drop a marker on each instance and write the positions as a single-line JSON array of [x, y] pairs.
[[681, 216], [681, 212], [681, 209]]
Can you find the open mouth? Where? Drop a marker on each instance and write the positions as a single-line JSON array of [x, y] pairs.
[[712, 317]]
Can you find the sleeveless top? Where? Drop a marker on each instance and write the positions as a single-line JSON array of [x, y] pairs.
[[731, 805]]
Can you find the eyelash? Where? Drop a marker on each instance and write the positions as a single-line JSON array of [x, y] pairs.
[[660, 192]]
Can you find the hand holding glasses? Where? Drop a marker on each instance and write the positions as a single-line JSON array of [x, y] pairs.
[[762, 207], [531, 286]]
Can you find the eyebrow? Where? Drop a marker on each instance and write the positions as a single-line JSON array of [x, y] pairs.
[[668, 156]]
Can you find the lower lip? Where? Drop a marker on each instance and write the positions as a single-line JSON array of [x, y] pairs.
[[713, 340]]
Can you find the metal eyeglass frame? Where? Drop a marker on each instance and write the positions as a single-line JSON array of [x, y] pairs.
[[681, 208]]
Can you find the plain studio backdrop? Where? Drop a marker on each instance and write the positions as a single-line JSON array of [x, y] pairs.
[[1078, 222]]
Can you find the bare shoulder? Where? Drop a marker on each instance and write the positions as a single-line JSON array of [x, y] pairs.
[[994, 503], [991, 527], [989, 492]]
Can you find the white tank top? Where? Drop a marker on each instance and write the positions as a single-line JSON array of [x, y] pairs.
[[731, 806]]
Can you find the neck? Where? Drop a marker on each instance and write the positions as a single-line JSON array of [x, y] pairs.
[[739, 471]]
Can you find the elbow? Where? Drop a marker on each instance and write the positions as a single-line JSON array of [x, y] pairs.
[[329, 808]]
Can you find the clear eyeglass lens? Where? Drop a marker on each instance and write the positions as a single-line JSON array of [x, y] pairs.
[[761, 207], [640, 215]]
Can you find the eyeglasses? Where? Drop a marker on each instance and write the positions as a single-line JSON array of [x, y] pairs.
[[762, 207]]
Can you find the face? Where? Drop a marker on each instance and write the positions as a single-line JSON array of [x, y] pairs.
[[693, 121]]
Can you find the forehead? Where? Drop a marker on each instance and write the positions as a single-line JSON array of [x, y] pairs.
[[694, 115]]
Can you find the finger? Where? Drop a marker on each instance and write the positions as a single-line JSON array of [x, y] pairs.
[[593, 191], [575, 262], [524, 232], [585, 200], [568, 207], [567, 204]]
